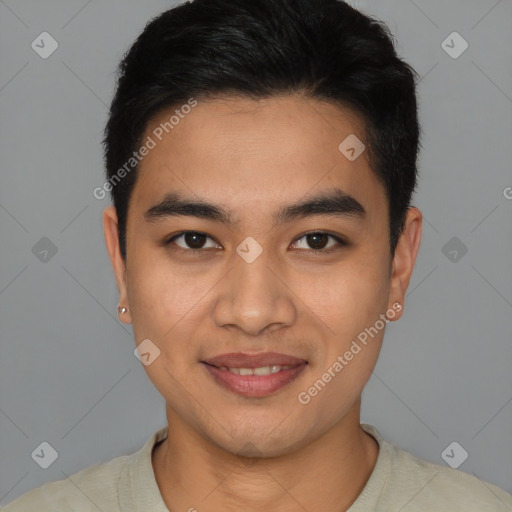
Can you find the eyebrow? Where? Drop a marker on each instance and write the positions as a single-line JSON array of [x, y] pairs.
[[333, 203]]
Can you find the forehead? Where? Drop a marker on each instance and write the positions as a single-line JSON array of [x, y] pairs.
[[247, 153]]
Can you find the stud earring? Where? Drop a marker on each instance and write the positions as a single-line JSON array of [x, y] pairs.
[[121, 310]]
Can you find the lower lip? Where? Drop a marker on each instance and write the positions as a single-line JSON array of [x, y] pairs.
[[254, 385]]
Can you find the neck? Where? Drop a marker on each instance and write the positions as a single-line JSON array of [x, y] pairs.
[[327, 474]]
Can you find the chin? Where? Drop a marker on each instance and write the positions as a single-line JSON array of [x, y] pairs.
[[269, 439]]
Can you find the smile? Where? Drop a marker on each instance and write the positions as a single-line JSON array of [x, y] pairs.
[[254, 381]]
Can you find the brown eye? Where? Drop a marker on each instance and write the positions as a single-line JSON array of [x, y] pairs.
[[194, 240], [191, 241], [318, 241]]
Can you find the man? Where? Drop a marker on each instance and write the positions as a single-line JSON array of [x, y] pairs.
[[261, 156]]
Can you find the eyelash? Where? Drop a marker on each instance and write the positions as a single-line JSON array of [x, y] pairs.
[[193, 252]]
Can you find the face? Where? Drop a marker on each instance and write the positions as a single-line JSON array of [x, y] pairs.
[[256, 300]]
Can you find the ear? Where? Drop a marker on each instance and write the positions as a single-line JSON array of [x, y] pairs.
[[111, 231], [404, 259]]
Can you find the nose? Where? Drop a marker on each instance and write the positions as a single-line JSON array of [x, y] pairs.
[[254, 297]]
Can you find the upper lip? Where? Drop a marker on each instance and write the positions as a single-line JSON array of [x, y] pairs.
[[241, 360]]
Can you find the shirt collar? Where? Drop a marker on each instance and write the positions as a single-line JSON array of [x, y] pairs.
[[138, 489]]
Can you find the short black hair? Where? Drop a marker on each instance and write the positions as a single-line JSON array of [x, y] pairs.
[[324, 49]]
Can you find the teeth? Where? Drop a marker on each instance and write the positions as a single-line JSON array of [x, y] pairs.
[[262, 370]]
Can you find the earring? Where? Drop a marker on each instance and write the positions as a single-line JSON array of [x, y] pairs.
[[397, 306], [121, 310]]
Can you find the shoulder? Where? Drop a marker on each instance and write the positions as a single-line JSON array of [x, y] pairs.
[[126, 481], [91, 489], [443, 485], [417, 485]]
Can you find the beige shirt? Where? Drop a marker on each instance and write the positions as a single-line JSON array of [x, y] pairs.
[[399, 482]]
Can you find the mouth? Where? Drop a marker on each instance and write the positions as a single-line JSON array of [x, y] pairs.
[[256, 375]]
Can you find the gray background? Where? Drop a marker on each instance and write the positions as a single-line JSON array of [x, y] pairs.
[[68, 375]]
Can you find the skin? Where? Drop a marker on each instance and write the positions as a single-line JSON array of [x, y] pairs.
[[226, 451]]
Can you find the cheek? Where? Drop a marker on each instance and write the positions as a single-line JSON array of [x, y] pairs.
[[156, 308], [165, 306], [349, 305], [350, 308], [169, 307], [350, 297], [161, 296]]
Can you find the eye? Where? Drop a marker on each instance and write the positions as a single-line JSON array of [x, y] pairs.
[[194, 242], [318, 240]]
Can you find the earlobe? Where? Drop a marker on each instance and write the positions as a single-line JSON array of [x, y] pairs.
[[405, 258], [111, 232]]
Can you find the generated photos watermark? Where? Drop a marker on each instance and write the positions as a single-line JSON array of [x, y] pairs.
[[149, 144], [343, 360]]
